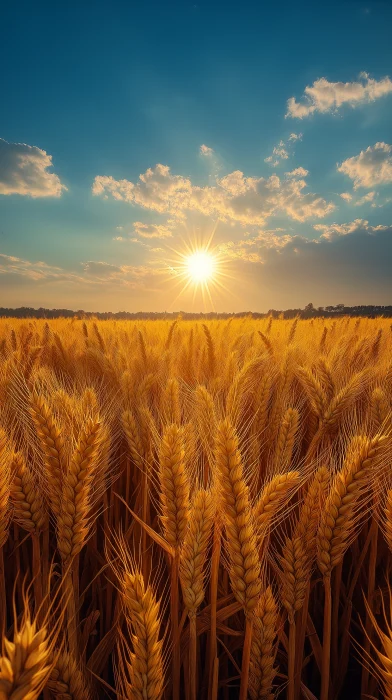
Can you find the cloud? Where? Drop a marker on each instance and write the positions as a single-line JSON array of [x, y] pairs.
[[283, 150], [206, 150], [152, 230], [348, 263], [234, 198], [93, 272], [297, 172], [24, 171], [324, 96], [332, 231], [346, 196], [295, 137], [100, 269], [279, 153], [371, 167], [369, 197]]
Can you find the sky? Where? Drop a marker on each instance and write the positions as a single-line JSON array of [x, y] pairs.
[[135, 133]]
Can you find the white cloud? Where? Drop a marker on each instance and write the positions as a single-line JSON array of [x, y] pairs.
[[298, 172], [371, 167], [206, 150], [324, 96], [234, 198], [295, 137], [24, 171], [369, 197], [152, 230], [332, 231], [279, 153], [283, 150], [346, 196]]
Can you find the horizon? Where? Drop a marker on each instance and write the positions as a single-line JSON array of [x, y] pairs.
[[308, 312], [135, 140]]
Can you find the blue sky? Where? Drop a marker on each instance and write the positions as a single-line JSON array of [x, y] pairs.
[[95, 95]]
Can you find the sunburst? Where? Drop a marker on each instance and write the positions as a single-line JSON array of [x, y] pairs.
[[200, 268]]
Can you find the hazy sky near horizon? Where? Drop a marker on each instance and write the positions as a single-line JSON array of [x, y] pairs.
[[130, 132]]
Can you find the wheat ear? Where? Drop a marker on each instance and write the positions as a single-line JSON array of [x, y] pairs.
[[145, 663], [28, 505], [192, 559], [5, 478], [175, 508], [73, 520], [132, 434], [66, 680], [263, 650], [194, 550], [25, 665], [5, 483], [286, 437], [388, 520], [174, 484], [337, 527], [379, 407], [237, 515], [241, 538], [272, 498], [338, 518], [52, 445], [313, 389]]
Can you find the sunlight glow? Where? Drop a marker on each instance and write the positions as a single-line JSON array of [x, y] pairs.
[[198, 270], [200, 266]]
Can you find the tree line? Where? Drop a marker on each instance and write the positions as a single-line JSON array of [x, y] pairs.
[[310, 311]]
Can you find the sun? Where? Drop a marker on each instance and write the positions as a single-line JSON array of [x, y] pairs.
[[200, 266], [198, 269]]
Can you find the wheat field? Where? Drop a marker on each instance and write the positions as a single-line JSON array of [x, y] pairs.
[[195, 510]]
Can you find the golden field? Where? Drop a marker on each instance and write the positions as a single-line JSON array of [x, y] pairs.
[[193, 510]]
